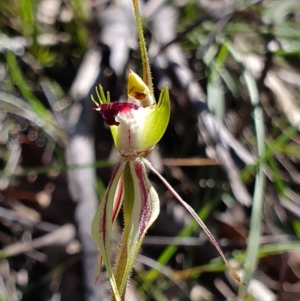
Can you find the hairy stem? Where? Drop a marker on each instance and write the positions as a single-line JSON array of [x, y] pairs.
[[144, 56]]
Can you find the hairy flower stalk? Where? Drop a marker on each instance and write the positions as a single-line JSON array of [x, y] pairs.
[[136, 125]]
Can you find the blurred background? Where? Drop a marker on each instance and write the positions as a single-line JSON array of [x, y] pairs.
[[231, 149]]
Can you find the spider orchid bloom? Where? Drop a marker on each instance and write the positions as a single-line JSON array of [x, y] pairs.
[[136, 125]]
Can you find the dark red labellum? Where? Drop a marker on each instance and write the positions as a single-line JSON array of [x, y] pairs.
[[110, 111]]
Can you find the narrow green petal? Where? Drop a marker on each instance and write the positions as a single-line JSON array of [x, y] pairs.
[[104, 218], [141, 208]]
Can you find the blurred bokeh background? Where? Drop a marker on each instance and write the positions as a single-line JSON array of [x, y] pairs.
[[231, 149]]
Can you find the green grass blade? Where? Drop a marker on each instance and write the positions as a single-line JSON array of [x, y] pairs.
[[27, 17], [50, 124], [258, 197]]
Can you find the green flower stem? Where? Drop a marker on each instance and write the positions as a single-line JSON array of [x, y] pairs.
[[144, 56]]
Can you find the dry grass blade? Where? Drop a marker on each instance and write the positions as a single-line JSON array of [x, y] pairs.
[[61, 236], [190, 162]]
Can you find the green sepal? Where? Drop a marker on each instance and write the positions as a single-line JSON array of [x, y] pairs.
[[104, 219], [141, 208]]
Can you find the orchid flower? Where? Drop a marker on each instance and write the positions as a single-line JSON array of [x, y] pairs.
[[136, 130], [136, 125]]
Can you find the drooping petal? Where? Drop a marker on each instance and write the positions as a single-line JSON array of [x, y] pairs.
[[197, 219], [141, 208], [104, 218]]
